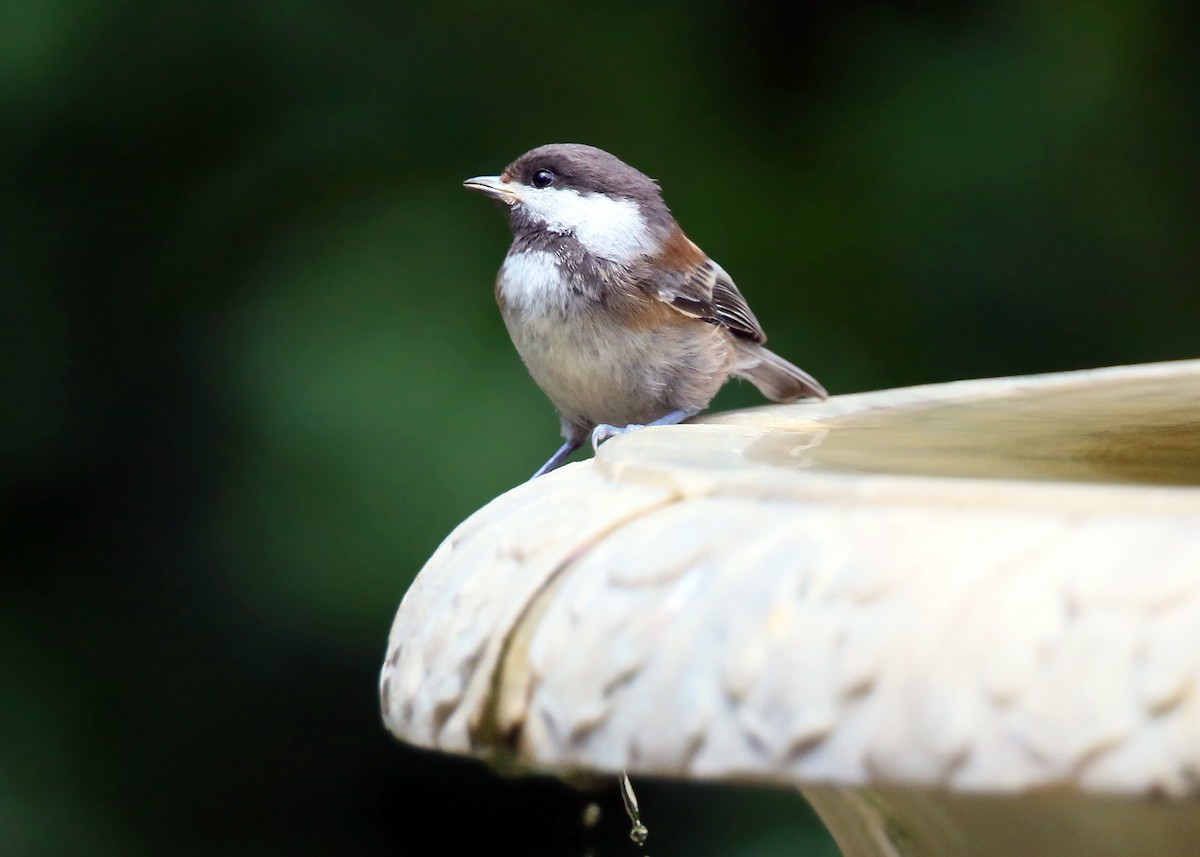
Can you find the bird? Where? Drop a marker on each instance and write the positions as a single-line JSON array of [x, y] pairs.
[[620, 318]]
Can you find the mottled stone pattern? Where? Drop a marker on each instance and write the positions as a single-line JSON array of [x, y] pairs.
[[685, 607], [950, 646], [436, 684]]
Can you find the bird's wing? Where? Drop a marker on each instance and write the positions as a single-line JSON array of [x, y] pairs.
[[703, 291]]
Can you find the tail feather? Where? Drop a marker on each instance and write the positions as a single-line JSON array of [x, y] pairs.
[[776, 378]]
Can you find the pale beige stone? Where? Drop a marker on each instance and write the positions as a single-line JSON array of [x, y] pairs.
[[962, 618]]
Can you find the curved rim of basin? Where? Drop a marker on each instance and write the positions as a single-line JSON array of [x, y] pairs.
[[1058, 438], [696, 603]]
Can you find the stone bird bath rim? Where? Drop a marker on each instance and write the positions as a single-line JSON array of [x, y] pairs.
[[925, 607]]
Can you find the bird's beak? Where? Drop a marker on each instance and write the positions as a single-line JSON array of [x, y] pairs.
[[495, 187]]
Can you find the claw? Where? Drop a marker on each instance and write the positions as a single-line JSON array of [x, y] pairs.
[[604, 431]]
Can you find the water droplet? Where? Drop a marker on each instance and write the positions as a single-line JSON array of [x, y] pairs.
[[639, 832]]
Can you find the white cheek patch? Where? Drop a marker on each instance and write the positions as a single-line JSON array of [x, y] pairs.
[[607, 227], [531, 281]]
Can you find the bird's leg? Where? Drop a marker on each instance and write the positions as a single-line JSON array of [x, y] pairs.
[[557, 460], [604, 431]]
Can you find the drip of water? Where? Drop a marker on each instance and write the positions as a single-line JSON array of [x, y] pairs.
[[591, 816], [639, 833]]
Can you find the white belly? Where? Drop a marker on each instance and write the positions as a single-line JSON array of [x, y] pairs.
[[596, 370], [592, 370]]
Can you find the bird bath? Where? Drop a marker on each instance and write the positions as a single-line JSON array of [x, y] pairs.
[[961, 618]]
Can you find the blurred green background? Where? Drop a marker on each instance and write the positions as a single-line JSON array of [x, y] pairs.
[[253, 372]]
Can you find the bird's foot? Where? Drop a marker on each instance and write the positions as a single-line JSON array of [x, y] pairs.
[[604, 431]]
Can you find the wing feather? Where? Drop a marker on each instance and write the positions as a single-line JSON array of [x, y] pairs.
[[705, 291]]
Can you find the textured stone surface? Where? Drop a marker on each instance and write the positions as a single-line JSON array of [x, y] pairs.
[[808, 594]]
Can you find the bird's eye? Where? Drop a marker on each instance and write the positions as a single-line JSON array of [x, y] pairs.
[[543, 178]]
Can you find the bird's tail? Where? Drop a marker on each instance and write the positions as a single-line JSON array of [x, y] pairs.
[[775, 378]]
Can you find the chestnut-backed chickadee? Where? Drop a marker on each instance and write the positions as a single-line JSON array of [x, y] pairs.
[[622, 321]]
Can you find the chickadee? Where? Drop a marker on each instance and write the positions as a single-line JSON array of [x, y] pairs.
[[622, 321]]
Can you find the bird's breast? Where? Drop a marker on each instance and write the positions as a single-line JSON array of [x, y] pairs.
[[534, 283], [560, 330], [593, 360]]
